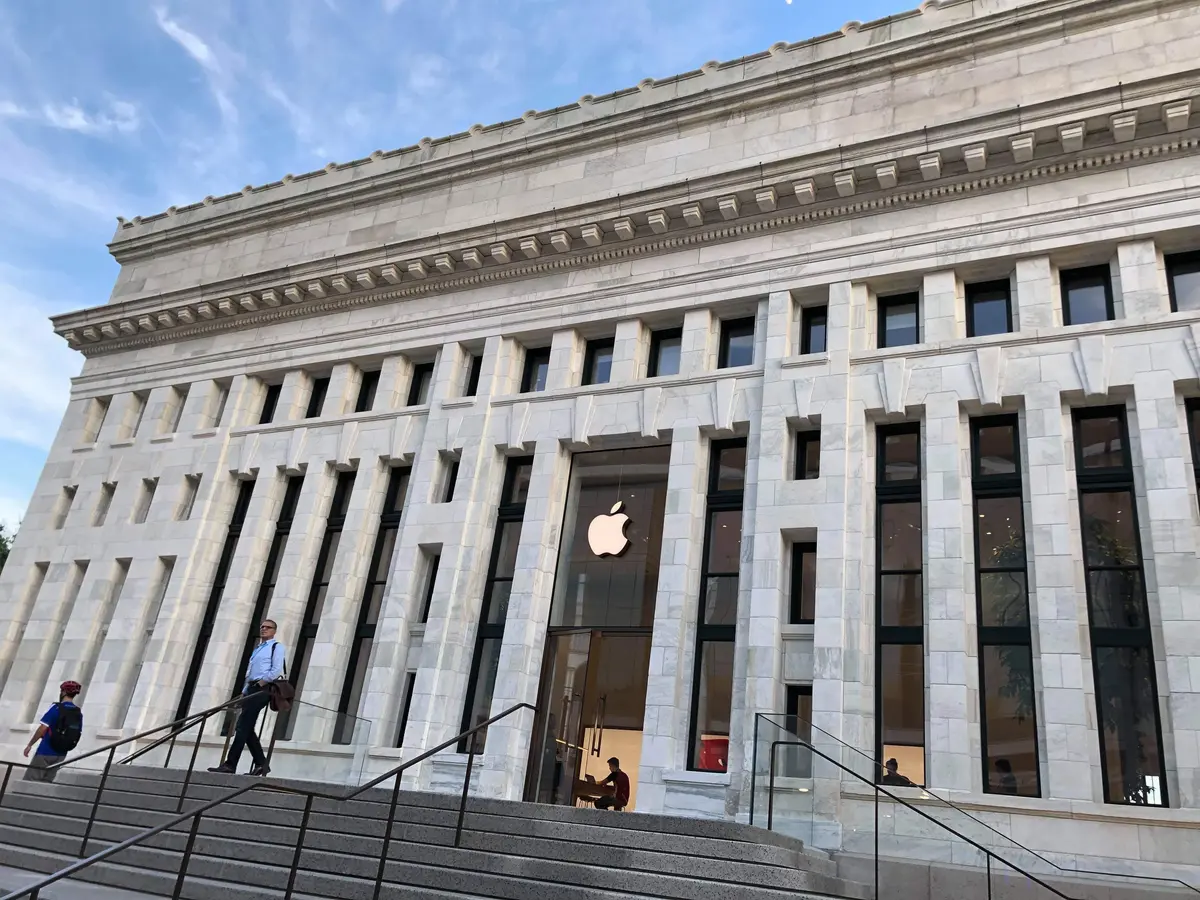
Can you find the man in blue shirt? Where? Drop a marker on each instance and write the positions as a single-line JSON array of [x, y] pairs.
[[267, 664], [57, 735]]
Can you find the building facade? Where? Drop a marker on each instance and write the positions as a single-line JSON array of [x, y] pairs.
[[854, 381]]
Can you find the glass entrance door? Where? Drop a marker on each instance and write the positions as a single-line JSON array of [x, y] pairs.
[[592, 704]]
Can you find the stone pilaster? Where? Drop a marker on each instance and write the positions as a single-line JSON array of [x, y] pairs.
[[631, 351], [942, 308], [1037, 302], [201, 406], [566, 360], [698, 350], [1143, 280]]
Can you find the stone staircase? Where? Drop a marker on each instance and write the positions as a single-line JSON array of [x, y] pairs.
[[519, 851]]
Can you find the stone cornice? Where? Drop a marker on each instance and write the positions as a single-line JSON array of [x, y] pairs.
[[750, 208], [785, 73]]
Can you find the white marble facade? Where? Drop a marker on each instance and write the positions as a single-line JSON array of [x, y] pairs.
[[967, 141]]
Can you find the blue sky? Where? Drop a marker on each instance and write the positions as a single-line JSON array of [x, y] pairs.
[[124, 107]]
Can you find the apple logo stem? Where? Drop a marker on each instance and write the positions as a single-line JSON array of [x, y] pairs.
[[606, 533]]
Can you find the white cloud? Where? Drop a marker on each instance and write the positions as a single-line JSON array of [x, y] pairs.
[[190, 42], [122, 117]]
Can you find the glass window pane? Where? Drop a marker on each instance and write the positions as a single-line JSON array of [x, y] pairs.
[[1086, 299], [1129, 726], [1118, 598], [1100, 442], [1109, 538], [332, 542], [902, 456], [506, 555], [995, 446], [1011, 726], [397, 491], [319, 603], [739, 348], [1003, 599], [814, 331], [900, 601], [518, 489], [725, 542], [346, 722], [900, 536], [899, 324], [808, 460], [375, 603], [383, 561], [804, 585], [720, 600], [1185, 280], [1001, 531], [668, 356], [485, 685], [989, 311], [714, 703], [731, 468], [540, 372], [497, 602], [601, 368], [902, 690]]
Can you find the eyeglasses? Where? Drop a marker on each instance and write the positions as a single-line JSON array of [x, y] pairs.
[[267, 627]]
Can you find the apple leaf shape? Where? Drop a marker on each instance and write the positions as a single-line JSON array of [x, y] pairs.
[[616, 507]]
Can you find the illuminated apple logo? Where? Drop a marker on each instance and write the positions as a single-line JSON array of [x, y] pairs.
[[606, 534]]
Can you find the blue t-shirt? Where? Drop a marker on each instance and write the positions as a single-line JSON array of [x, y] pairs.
[[50, 719]]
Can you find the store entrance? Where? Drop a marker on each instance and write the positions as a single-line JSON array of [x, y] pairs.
[[593, 700]]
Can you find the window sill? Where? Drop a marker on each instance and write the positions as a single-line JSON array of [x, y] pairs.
[[116, 445], [162, 439], [83, 448], [688, 776], [799, 631], [805, 360], [204, 433], [458, 402], [417, 630]]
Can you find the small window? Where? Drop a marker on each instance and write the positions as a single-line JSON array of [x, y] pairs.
[[597, 362], [900, 455], [665, 349], [142, 510], [473, 371], [898, 320], [449, 479], [799, 710], [813, 322], [1086, 295], [65, 501], [107, 490], [808, 455], [410, 681], [432, 559], [220, 400], [367, 390], [803, 606], [97, 413], [537, 370], [1102, 443], [989, 308], [139, 412], [996, 452], [174, 416], [516, 481], [191, 487], [737, 343], [422, 380], [1183, 281], [729, 467], [270, 404], [316, 400]]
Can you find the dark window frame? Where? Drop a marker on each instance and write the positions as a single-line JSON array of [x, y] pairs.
[[718, 501], [317, 397], [450, 480], [731, 328], [410, 682], [593, 349], [1000, 486], [796, 598], [533, 359], [1191, 261], [474, 370], [368, 387], [656, 341], [972, 290], [1101, 272], [888, 492], [1111, 479], [803, 440], [808, 315], [1192, 411], [421, 383], [433, 560], [270, 404], [884, 305]]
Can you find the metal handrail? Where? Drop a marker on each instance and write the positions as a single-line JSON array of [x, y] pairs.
[[948, 802], [775, 745], [32, 891]]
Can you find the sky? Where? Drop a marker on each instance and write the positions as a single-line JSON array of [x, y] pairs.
[[126, 107]]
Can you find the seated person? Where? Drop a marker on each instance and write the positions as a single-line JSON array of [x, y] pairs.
[[620, 783], [893, 776]]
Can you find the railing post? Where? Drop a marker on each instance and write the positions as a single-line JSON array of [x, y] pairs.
[[754, 768], [387, 839], [4, 786], [187, 856], [876, 839], [299, 847], [187, 776], [170, 751], [989, 875], [771, 788], [462, 804], [87, 832]]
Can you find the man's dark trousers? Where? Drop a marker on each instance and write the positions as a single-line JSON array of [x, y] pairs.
[[246, 735]]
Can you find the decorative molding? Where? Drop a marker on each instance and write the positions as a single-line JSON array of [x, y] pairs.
[[987, 367], [1092, 362], [893, 378], [651, 404]]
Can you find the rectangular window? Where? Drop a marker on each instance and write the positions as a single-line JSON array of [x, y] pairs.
[[432, 559], [666, 347], [145, 498], [474, 368], [537, 370], [597, 362], [137, 414], [219, 401], [737, 343], [449, 479], [712, 685], [1009, 710], [496, 591], [270, 404], [104, 503], [1086, 295], [371, 605], [187, 501], [989, 308], [814, 321], [808, 455], [175, 407], [1183, 281], [1131, 753], [97, 413], [62, 509], [796, 762], [899, 320], [1193, 418], [367, 389], [316, 400], [410, 682], [240, 507], [899, 606], [422, 381], [803, 605]]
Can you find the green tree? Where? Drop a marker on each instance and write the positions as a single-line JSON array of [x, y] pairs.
[[6, 539]]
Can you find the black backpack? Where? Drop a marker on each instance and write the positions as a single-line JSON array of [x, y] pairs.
[[67, 730]]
